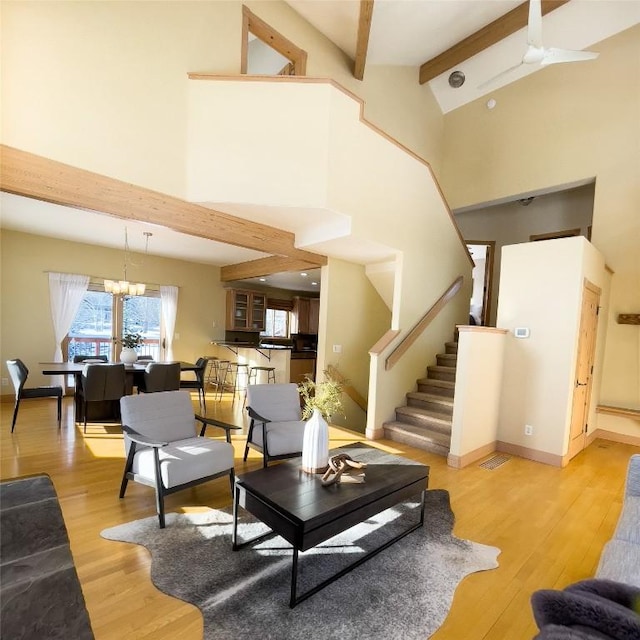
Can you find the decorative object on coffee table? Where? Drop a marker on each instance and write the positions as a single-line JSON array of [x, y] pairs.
[[321, 401], [343, 468]]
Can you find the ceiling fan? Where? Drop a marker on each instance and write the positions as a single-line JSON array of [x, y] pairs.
[[536, 53]]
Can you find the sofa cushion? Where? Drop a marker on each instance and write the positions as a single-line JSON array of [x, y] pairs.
[[620, 561], [628, 527]]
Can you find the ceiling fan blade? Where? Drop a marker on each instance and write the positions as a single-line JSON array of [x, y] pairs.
[[555, 56], [534, 27], [498, 77]]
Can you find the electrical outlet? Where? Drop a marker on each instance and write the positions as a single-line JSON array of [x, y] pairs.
[[5, 382], [528, 430]]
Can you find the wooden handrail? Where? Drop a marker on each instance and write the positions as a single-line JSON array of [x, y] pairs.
[[425, 321], [348, 389]]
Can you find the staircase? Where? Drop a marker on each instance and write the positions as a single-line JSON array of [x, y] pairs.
[[425, 421]]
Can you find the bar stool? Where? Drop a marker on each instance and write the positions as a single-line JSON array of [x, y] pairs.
[[231, 379], [254, 374], [219, 373], [211, 373]]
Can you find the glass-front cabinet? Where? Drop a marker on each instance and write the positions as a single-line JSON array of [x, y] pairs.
[[246, 310]]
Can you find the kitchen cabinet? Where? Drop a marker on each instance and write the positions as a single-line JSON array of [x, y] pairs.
[[246, 310], [306, 315], [301, 368]]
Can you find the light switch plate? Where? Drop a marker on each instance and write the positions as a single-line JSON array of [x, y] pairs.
[[521, 332]]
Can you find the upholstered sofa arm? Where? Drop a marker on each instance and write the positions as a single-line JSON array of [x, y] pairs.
[[633, 476], [211, 422], [138, 438]]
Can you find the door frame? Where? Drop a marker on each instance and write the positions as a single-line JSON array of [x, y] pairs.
[[577, 441], [488, 278]]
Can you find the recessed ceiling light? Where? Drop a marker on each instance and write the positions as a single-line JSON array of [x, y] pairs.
[[303, 274], [263, 279], [314, 283]]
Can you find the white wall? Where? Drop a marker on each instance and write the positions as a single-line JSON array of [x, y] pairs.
[[541, 289], [474, 430]]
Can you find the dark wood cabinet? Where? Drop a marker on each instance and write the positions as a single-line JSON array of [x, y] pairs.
[[246, 310], [306, 314]]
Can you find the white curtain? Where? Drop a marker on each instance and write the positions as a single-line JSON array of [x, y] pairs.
[[66, 291], [169, 304]]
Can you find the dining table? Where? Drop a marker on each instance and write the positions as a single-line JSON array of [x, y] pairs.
[[104, 410]]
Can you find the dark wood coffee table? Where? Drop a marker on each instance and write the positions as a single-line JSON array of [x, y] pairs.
[[299, 509]]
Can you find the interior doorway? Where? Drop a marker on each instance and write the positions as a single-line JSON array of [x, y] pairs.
[[482, 253], [584, 368]]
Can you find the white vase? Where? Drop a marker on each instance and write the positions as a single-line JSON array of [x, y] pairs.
[[315, 446], [128, 355]]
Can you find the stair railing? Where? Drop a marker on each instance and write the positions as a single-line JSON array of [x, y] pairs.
[[423, 323], [352, 392]]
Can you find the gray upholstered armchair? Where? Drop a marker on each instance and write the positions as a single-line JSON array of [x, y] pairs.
[[163, 450], [276, 428]]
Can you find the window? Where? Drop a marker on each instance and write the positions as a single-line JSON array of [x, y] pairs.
[[103, 316], [276, 324]]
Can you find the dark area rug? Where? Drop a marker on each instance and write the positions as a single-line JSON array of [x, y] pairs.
[[404, 592]]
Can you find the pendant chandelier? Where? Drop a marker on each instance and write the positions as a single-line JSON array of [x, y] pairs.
[[124, 287]]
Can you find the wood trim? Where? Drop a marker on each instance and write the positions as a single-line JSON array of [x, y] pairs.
[[482, 39], [488, 276], [27, 174], [628, 318], [194, 75], [612, 436], [459, 462], [384, 342], [259, 28], [424, 322], [587, 284], [532, 454], [362, 43], [621, 412], [472, 328], [265, 267], [554, 235], [351, 391]]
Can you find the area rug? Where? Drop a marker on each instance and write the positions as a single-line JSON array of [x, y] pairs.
[[403, 592]]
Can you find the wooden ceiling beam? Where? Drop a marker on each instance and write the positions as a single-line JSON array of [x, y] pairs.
[[264, 267], [27, 174], [482, 39], [362, 43]]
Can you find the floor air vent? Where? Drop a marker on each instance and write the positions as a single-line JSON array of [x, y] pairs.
[[494, 462]]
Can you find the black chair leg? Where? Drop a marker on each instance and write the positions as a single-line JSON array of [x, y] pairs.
[[15, 414], [59, 411]]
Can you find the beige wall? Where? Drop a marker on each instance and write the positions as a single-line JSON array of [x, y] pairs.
[[562, 125], [102, 85], [541, 285], [26, 331], [354, 316], [511, 223], [474, 429]]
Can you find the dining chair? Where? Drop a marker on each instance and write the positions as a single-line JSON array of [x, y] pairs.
[[276, 428], [199, 382], [101, 383], [160, 376], [19, 374], [87, 358], [163, 449]]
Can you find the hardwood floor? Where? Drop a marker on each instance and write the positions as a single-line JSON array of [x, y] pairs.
[[550, 523]]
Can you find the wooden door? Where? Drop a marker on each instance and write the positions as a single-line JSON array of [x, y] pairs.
[[584, 368]]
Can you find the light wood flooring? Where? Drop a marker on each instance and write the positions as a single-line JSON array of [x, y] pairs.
[[550, 523]]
